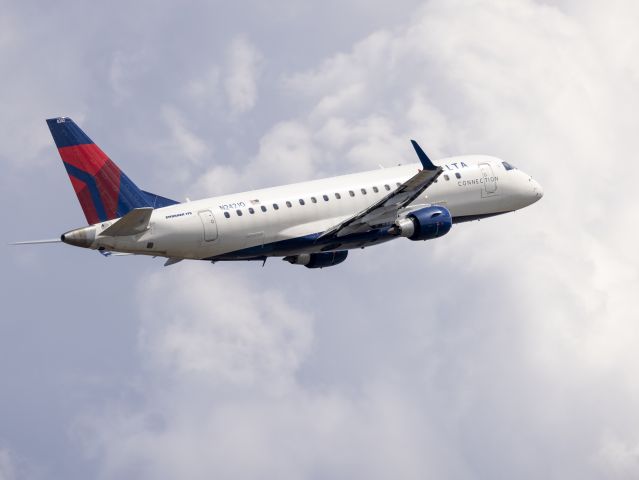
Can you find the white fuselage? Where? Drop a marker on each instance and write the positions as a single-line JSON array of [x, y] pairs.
[[270, 221]]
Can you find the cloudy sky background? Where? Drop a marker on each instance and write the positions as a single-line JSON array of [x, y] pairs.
[[507, 349]]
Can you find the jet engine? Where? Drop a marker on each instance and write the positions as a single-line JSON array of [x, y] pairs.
[[425, 224], [318, 260]]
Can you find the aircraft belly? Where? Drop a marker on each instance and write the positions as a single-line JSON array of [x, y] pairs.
[[306, 244]]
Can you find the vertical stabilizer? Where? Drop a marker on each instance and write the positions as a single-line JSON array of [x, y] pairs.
[[103, 190]]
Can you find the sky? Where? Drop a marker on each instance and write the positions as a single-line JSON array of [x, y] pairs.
[[506, 349]]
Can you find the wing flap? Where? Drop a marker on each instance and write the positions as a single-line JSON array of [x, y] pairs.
[[384, 212]]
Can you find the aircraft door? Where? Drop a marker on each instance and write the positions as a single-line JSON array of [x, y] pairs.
[[209, 225], [489, 180]]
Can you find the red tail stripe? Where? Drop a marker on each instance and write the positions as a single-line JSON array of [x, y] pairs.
[[108, 182], [87, 157], [84, 196]]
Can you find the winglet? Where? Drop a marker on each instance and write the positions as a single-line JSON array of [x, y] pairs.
[[428, 165]]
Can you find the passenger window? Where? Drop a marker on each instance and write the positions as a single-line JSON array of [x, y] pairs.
[[313, 199], [301, 201], [251, 211], [338, 196], [363, 191], [387, 187], [263, 208], [375, 189], [289, 204], [325, 197], [446, 177], [276, 206], [239, 213], [351, 193], [458, 175], [227, 214]]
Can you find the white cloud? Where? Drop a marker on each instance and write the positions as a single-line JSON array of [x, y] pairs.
[[223, 395], [183, 143], [7, 469], [244, 334], [619, 459], [244, 67], [205, 90], [286, 154], [124, 67], [513, 335], [8, 33], [506, 349]]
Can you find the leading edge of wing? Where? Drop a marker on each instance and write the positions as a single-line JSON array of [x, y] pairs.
[[389, 206]]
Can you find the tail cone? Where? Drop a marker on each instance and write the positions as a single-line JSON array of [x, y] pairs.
[[80, 237]]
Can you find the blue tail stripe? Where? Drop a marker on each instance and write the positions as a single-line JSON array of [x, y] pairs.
[[158, 201], [93, 188], [66, 133], [130, 196]]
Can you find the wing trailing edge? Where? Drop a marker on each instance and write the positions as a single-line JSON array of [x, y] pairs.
[[385, 211]]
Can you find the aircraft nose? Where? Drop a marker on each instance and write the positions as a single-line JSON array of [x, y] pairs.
[[534, 192], [537, 189]]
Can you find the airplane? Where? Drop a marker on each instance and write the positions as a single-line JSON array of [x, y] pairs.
[[313, 223]]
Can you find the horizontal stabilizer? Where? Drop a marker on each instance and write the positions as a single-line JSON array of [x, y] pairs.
[[134, 222]]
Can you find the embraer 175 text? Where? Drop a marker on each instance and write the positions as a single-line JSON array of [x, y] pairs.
[[310, 223]]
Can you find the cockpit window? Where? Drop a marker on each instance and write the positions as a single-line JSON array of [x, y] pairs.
[[507, 166]]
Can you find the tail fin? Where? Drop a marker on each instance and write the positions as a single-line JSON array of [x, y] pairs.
[[104, 191]]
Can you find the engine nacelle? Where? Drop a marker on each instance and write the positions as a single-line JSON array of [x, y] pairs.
[[426, 223], [318, 260]]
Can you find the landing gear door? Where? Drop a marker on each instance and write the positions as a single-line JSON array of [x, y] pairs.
[[488, 179], [208, 224]]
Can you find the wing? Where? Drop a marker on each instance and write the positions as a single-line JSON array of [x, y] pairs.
[[384, 212]]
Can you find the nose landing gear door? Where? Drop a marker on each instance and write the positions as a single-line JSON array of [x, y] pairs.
[[488, 179], [208, 224]]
